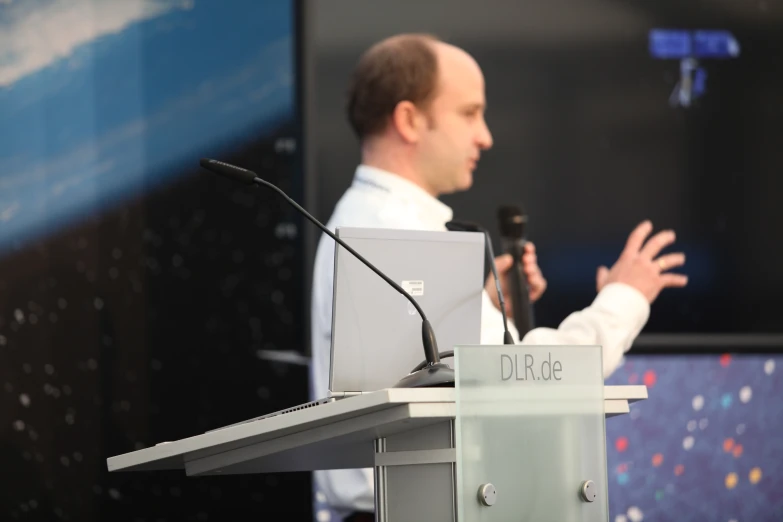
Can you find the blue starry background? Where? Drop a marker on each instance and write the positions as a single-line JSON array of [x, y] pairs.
[[705, 445]]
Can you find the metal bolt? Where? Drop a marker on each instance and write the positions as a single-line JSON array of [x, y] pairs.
[[487, 494], [588, 491]]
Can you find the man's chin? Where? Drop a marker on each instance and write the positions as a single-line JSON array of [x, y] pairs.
[[459, 185], [466, 183]]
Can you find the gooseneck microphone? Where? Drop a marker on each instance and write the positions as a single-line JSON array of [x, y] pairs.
[[512, 222], [466, 226], [434, 373]]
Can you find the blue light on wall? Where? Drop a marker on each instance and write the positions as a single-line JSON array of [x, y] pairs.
[[691, 48]]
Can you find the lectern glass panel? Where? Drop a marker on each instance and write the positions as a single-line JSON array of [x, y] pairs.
[[531, 443]]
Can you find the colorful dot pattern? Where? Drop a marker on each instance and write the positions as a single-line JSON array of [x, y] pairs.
[[706, 445]]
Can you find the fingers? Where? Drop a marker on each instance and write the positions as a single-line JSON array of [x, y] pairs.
[[529, 258], [536, 286], [637, 237], [657, 243], [534, 276], [530, 263], [669, 261], [674, 280], [503, 263], [531, 268]]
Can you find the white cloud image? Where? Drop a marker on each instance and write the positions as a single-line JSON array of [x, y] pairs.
[[35, 34]]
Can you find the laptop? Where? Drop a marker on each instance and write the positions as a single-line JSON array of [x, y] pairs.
[[376, 332]]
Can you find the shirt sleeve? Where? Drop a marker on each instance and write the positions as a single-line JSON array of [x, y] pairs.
[[612, 321]]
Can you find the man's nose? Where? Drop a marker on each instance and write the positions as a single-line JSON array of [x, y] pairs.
[[485, 137]]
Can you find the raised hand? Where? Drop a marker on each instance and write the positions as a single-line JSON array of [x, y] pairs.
[[640, 265]]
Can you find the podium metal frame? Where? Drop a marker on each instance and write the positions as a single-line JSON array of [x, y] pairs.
[[406, 435]]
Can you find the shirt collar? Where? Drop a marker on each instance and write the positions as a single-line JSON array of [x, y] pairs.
[[397, 186]]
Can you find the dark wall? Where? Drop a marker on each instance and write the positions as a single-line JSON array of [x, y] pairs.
[[587, 143], [143, 299]]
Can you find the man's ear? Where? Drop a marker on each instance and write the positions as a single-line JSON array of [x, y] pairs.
[[408, 121]]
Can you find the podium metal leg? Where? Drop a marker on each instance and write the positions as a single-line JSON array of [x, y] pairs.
[[380, 484], [415, 475]]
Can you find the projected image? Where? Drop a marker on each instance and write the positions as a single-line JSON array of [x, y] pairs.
[[692, 49], [138, 292], [104, 99]]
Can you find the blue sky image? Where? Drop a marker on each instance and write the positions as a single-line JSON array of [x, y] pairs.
[[102, 99]]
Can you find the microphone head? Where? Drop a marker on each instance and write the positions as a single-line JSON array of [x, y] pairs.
[[230, 171], [512, 222]]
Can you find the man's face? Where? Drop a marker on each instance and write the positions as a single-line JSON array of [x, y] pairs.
[[449, 148]]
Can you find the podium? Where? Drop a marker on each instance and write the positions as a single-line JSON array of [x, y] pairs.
[[521, 436]]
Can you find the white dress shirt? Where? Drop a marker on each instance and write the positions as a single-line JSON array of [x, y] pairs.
[[379, 199]]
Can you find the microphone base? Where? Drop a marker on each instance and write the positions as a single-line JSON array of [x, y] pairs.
[[437, 375]]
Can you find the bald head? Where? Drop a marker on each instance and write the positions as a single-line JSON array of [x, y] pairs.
[[458, 74], [454, 64]]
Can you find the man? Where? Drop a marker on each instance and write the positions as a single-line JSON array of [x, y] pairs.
[[417, 107]]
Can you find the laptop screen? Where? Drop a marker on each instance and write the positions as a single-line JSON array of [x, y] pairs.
[[376, 332]]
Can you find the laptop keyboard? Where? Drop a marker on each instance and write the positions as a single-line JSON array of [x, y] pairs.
[[304, 406]]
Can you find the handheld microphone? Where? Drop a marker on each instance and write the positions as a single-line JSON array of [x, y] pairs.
[[434, 373], [512, 236]]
